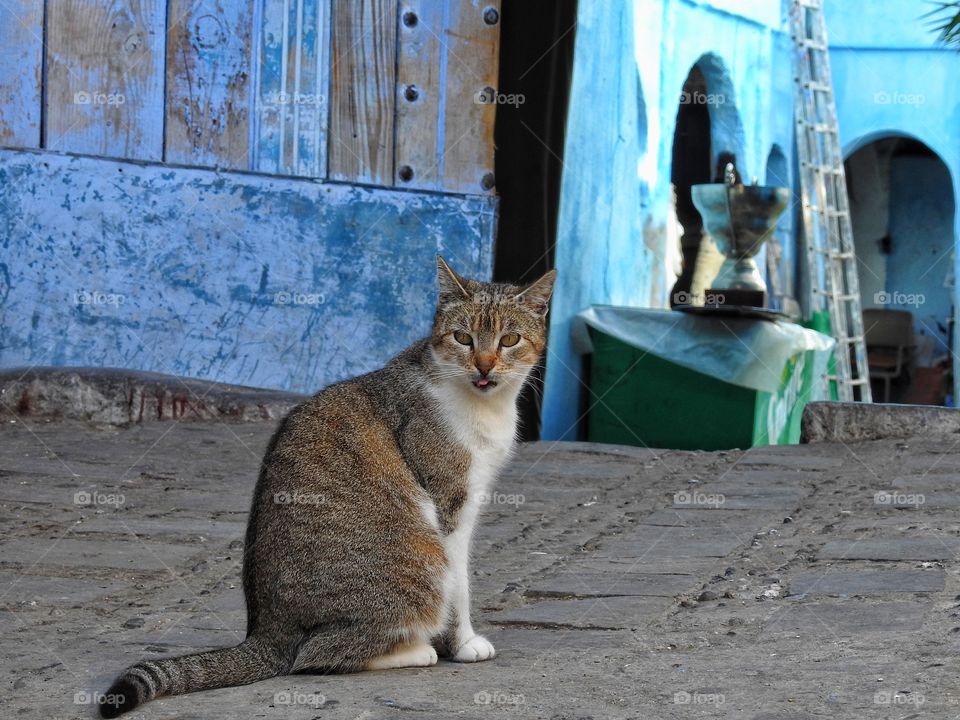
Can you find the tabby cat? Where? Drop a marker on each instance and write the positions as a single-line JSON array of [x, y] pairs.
[[356, 554]]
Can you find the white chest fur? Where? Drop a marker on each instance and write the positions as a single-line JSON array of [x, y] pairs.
[[486, 427]]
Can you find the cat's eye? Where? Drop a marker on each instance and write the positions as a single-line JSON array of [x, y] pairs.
[[509, 340], [463, 338]]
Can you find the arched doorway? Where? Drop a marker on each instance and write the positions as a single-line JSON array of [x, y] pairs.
[[708, 127], [902, 209], [690, 165]]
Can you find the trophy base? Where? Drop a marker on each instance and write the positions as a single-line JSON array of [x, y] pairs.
[[743, 297]]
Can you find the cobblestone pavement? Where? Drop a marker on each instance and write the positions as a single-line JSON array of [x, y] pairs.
[[791, 582]]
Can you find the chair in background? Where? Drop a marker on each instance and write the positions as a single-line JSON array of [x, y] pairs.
[[889, 335]]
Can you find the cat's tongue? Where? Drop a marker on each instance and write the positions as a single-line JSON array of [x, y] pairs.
[[483, 382]]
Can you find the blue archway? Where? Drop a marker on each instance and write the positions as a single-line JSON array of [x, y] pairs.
[[903, 210], [726, 128]]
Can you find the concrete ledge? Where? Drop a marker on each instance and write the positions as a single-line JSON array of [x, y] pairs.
[[106, 396], [853, 422]]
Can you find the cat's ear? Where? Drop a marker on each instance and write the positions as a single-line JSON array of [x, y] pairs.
[[536, 296], [452, 286]]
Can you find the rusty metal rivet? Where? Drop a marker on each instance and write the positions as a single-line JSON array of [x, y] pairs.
[[410, 19], [411, 93], [491, 16], [406, 173], [487, 181]]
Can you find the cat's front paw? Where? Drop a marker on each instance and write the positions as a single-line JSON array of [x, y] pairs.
[[476, 649]]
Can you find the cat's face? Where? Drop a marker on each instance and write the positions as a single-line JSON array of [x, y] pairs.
[[488, 336]]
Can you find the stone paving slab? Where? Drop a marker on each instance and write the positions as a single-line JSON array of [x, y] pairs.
[[930, 480], [928, 548], [18, 589], [576, 582], [786, 458], [671, 543], [121, 554], [868, 582], [799, 596], [848, 619], [605, 613], [685, 516]]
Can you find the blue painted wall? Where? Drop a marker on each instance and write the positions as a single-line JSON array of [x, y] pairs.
[[616, 243], [892, 78], [239, 278]]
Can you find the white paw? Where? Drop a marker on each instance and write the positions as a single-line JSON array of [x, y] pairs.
[[419, 656], [424, 656], [476, 649]]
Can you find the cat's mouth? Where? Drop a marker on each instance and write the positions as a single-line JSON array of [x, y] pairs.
[[484, 384]]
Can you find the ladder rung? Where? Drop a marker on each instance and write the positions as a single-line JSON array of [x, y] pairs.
[[818, 86], [812, 45], [821, 168], [836, 255], [851, 381], [836, 297], [824, 128]]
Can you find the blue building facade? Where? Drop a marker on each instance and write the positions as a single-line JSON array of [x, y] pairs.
[[293, 245], [234, 191], [635, 63]]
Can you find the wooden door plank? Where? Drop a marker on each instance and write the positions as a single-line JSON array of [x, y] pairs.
[[362, 91], [291, 135], [421, 73], [21, 71], [447, 64], [209, 57], [104, 85], [472, 42]]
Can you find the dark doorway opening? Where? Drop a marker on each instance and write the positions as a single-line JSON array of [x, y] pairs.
[[536, 61], [690, 165]]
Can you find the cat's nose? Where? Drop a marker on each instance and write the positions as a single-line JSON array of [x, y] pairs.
[[484, 364]]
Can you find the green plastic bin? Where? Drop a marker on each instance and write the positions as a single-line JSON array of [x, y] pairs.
[[640, 399]]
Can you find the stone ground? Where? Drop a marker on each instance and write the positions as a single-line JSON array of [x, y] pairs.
[[790, 582]]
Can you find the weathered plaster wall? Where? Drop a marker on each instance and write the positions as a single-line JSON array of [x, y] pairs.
[[612, 245], [893, 78], [237, 278], [890, 78]]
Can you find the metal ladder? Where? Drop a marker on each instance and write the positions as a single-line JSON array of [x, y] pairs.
[[831, 259]]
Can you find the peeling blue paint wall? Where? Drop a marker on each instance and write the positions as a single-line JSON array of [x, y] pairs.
[[238, 278], [616, 243], [893, 79]]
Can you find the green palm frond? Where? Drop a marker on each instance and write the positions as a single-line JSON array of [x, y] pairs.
[[945, 19]]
